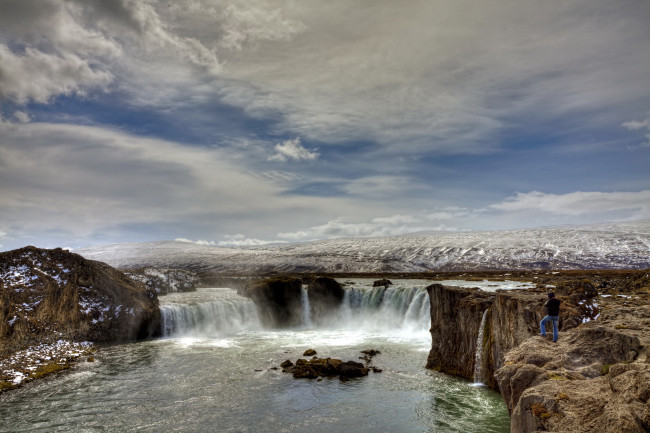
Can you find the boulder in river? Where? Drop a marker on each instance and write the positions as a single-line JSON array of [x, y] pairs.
[[330, 367]]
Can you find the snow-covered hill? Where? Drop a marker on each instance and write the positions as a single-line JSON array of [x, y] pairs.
[[601, 246]]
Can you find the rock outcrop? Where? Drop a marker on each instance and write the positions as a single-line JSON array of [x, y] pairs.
[[456, 315], [49, 295], [595, 379], [325, 296], [331, 367], [164, 280], [278, 300]]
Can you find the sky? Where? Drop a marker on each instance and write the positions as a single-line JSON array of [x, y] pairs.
[[247, 122]]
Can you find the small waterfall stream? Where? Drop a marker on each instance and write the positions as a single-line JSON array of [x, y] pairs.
[[478, 359], [306, 309]]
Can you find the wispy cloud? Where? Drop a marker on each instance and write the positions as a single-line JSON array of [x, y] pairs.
[[580, 203], [240, 240], [375, 227], [199, 242], [640, 125], [293, 150]]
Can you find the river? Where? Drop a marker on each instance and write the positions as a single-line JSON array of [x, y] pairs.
[[214, 371]]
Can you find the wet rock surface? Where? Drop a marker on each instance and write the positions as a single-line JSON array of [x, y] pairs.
[[278, 300], [382, 283], [331, 367], [325, 296]]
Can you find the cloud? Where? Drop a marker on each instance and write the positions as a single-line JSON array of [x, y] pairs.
[[375, 227], [38, 76], [294, 150], [45, 52], [87, 178], [381, 186], [78, 185], [439, 78], [21, 117], [635, 204], [244, 25], [412, 78], [636, 125], [240, 240], [199, 242], [50, 48]]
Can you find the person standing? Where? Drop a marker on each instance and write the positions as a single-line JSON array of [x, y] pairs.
[[552, 315]]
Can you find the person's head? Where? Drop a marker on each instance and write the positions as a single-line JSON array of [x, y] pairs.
[[551, 295]]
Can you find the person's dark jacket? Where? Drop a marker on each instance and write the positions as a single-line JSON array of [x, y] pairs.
[[553, 307]]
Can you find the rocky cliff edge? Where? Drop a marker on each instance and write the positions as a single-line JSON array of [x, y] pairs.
[[596, 378], [52, 295]]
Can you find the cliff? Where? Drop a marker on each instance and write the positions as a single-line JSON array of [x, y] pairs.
[[595, 379], [50, 295], [456, 315], [512, 317]]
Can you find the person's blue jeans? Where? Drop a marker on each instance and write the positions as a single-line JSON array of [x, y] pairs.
[[545, 320]]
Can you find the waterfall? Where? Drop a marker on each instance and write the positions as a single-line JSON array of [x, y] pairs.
[[216, 312], [306, 309], [478, 359], [216, 317], [390, 308]]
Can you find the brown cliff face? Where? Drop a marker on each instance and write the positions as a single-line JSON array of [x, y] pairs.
[[456, 315], [513, 317], [595, 379], [47, 295]]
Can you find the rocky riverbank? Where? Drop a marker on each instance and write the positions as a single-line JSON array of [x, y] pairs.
[[52, 302], [595, 379]]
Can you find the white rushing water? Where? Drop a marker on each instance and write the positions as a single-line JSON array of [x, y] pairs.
[[216, 370], [209, 312], [478, 359], [306, 310]]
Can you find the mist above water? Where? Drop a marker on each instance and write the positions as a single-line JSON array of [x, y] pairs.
[[216, 370]]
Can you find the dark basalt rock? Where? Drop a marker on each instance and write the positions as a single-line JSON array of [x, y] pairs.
[[368, 355], [278, 300], [383, 282], [328, 367], [309, 352], [325, 295]]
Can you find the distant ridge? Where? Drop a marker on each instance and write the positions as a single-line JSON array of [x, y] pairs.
[[598, 246]]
